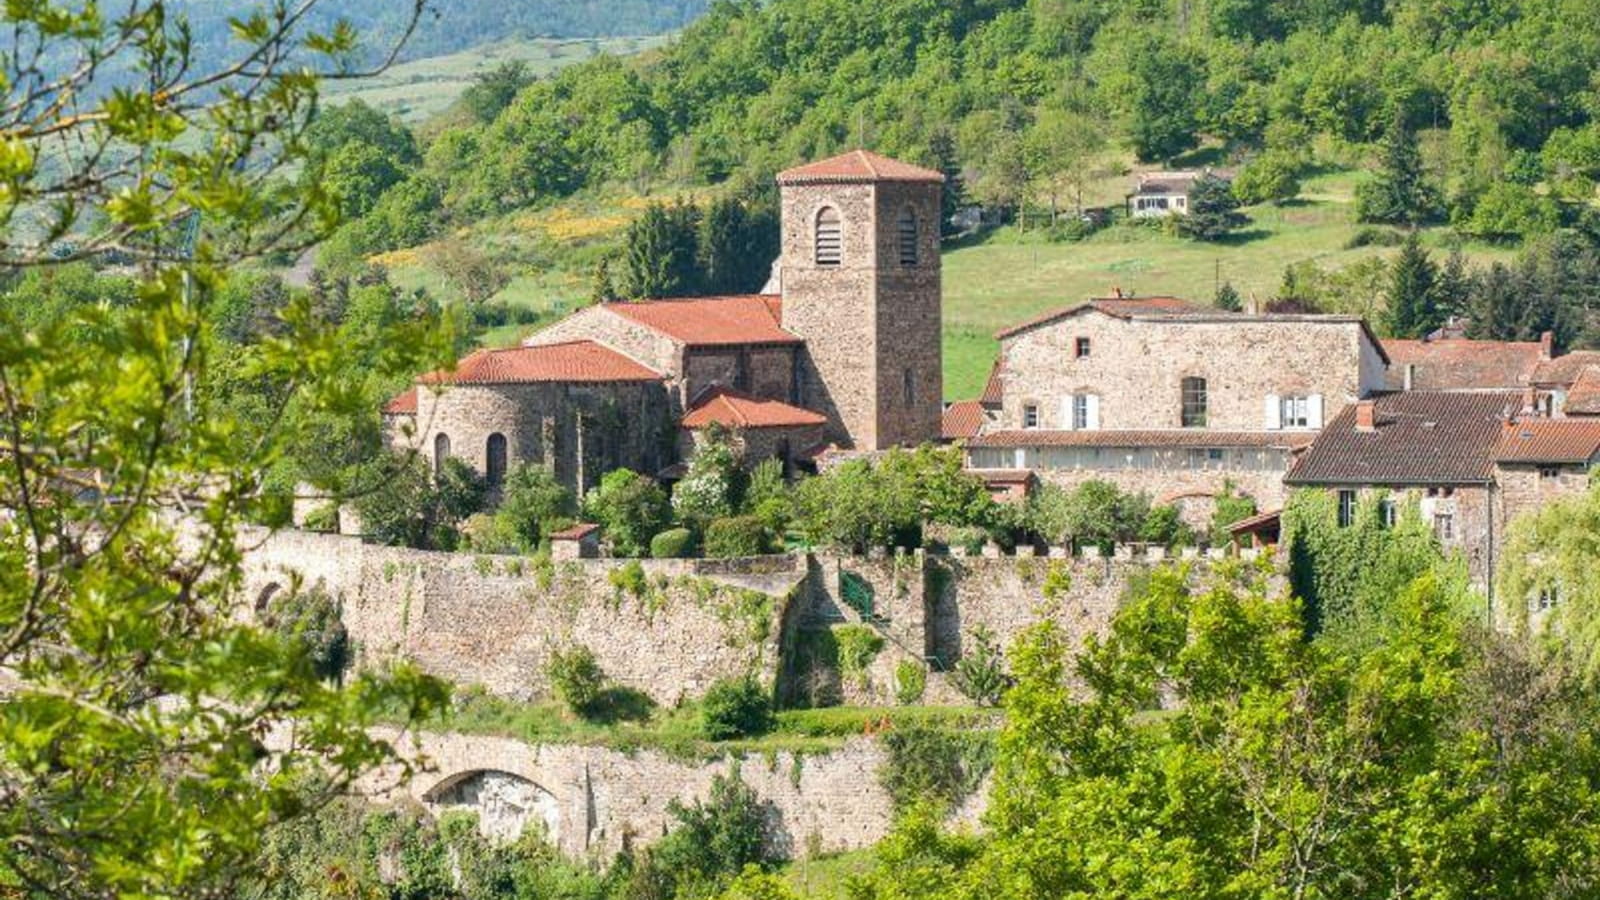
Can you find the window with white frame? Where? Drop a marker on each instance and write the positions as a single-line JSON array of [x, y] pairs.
[[1347, 508], [1444, 526], [1296, 412], [1388, 512], [1080, 349], [1080, 412], [1547, 598]]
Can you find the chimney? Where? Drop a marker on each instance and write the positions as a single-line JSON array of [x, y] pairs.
[[1547, 345], [1411, 375], [1530, 401], [1366, 416]]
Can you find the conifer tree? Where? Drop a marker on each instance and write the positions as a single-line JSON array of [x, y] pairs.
[[1452, 292], [1213, 210], [1227, 298], [1495, 305], [721, 246], [1411, 312], [605, 286], [661, 252], [1401, 193]]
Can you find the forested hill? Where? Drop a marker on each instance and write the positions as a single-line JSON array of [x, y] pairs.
[[453, 25], [1009, 89]]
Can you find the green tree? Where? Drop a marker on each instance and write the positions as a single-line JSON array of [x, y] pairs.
[[1227, 298], [631, 509], [1549, 585], [1506, 211], [534, 503], [1062, 149], [661, 252], [1412, 311], [576, 678], [132, 761], [1400, 193], [714, 484], [492, 91], [1162, 85], [1271, 177], [1213, 210]]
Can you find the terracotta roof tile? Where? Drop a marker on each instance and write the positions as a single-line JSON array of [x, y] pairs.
[[962, 420], [576, 361], [402, 404], [1564, 370], [712, 321], [1550, 441], [1174, 437], [1420, 437], [1453, 364], [1583, 398], [575, 533], [994, 390], [733, 409], [857, 165]]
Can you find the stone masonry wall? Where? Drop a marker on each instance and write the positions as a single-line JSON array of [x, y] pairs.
[[495, 621], [908, 315]]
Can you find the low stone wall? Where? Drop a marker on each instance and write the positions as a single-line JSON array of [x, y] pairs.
[[668, 628], [594, 802]]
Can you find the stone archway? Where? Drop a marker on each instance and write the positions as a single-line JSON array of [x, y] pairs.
[[506, 804]]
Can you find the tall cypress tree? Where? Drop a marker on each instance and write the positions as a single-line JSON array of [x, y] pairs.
[[1495, 306], [1412, 313], [661, 253], [1453, 291], [1400, 194], [722, 246]]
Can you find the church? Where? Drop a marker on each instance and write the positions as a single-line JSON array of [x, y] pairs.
[[844, 356]]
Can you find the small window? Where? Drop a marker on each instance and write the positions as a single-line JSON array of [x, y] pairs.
[[1388, 513], [1080, 412], [1081, 348], [441, 451], [908, 386], [1030, 416], [1444, 526], [1347, 508], [495, 460], [1194, 403], [1547, 598], [1296, 412], [1549, 473], [908, 237], [830, 237]]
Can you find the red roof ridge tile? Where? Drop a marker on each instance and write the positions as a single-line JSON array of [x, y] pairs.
[[719, 320], [403, 403], [858, 165]]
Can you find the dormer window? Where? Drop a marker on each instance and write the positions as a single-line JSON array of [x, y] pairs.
[[907, 231], [830, 237], [1080, 348]]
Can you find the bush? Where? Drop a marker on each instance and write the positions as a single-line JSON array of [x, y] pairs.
[[858, 646], [576, 678], [324, 518], [734, 708], [1374, 237], [1163, 525], [1272, 176], [1509, 211], [934, 765], [484, 533], [311, 621], [737, 536], [534, 504], [460, 491], [980, 675], [675, 543], [713, 841], [630, 508], [1232, 506], [910, 683]]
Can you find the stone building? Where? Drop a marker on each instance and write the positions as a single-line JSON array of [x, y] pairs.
[[1159, 395], [847, 355]]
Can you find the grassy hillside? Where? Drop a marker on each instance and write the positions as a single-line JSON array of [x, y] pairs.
[[419, 90]]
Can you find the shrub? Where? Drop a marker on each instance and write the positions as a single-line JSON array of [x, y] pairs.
[[311, 621], [1272, 176], [910, 682], [930, 764], [460, 491], [630, 578], [858, 646], [324, 518], [485, 533], [1232, 506], [969, 539], [675, 543], [980, 675], [576, 678], [630, 508], [713, 485], [1374, 237], [737, 536], [1164, 525], [736, 707], [713, 841]]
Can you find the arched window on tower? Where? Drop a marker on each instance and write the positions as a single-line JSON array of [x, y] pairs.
[[907, 231], [495, 460], [441, 451], [830, 237]]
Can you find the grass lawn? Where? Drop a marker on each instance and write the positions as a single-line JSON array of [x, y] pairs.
[[824, 878], [421, 89]]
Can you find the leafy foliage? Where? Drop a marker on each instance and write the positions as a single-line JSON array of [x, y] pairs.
[[576, 678], [980, 674], [736, 707], [1550, 581], [1213, 210], [674, 543], [312, 621], [631, 510], [737, 536], [937, 766]]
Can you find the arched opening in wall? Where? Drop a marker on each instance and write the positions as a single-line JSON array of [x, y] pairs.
[[830, 237], [495, 460], [441, 451], [265, 598], [505, 803], [907, 232]]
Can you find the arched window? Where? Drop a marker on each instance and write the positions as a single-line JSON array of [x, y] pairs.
[[830, 237], [495, 460], [907, 230], [441, 451], [1194, 403]]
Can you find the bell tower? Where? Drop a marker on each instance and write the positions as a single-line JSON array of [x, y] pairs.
[[860, 277]]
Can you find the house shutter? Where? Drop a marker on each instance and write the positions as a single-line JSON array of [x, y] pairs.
[[1094, 412], [1274, 412], [1067, 423], [1021, 458], [1314, 411]]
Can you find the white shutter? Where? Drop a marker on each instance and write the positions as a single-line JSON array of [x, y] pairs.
[[1094, 412], [1274, 412], [1066, 413], [1314, 411], [1021, 458]]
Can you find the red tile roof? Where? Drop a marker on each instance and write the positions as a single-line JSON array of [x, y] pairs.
[[712, 321], [574, 361], [994, 390], [1197, 438], [1419, 438], [733, 409], [1121, 307], [962, 420], [1453, 364], [1564, 370], [1583, 398], [858, 165], [1550, 441], [575, 533], [402, 404]]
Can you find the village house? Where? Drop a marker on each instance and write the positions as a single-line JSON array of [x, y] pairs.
[[1158, 194], [845, 356]]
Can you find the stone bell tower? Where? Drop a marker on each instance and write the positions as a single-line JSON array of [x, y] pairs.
[[860, 278]]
